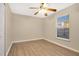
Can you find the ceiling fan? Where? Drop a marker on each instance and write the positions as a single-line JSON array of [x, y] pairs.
[[43, 6]]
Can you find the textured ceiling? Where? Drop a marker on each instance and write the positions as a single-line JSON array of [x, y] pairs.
[[23, 8]]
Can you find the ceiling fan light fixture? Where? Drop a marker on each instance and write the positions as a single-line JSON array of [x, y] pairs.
[[43, 9], [45, 5]]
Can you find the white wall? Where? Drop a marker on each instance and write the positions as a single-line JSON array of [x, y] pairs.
[[27, 28], [50, 27], [8, 28], [1, 29]]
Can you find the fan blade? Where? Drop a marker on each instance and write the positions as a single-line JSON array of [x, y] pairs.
[[50, 9], [36, 13], [33, 8], [45, 14]]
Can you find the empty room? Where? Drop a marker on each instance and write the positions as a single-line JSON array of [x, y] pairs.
[[39, 29]]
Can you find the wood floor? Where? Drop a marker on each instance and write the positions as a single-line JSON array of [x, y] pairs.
[[39, 48]]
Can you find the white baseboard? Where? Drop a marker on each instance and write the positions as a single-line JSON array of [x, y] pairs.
[[63, 46], [26, 40], [9, 49]]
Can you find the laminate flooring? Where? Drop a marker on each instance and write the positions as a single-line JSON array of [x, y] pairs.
[[39, 48]]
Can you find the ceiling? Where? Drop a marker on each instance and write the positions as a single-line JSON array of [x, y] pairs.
[[23, 8]]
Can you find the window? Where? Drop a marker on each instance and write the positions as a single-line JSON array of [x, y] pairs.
[[62, 26]]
